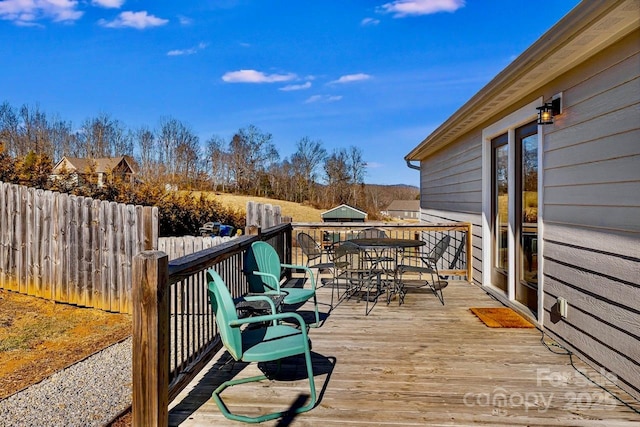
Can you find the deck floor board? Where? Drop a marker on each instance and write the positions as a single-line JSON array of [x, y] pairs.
[[418, 364]]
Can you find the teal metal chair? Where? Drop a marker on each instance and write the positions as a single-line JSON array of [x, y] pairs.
[[262, 342], [263, 268]]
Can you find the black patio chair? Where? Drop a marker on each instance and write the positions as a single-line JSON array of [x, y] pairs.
[[428, 265]]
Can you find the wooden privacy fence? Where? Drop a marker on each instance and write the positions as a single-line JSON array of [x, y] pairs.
[[176, 247], [70, 249], [264, 215]]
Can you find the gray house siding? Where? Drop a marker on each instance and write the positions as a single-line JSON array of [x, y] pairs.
[[451, 179], [592, 213], [451, 190]]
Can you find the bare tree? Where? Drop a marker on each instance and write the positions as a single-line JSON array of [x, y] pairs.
[[357, 169], [216, 157], [102, 136], [63, 139], [251, 154], [9, 129], [337, 177], [145, 140], [179, 149], [309, 156]]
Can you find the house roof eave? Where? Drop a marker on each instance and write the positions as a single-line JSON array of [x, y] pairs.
[[576, 37]]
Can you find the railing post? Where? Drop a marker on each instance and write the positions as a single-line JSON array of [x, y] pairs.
[[469, 253], [288, 239], [150, 294], [288, 250]]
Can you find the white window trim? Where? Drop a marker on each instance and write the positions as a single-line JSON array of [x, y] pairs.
[[508, 124]]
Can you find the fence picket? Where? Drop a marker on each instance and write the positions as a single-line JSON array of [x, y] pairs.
[[36, 241], [4, 233], [45, 284]]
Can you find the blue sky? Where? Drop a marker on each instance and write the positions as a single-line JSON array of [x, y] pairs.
[[379, 75]]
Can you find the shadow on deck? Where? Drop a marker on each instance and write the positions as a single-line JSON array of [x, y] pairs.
[[419, 364]]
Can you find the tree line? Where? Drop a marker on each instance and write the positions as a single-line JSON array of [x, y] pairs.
[[171, 153]]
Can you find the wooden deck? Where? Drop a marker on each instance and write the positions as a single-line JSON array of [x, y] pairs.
[[418, 364]]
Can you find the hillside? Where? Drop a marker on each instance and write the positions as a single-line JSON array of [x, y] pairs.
[[382, 194], [297, 211]]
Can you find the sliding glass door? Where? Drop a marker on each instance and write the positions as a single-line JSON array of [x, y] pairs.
[[514, 199]]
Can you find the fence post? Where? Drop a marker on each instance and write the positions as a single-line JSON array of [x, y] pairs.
[[252, 230], [150, 295]]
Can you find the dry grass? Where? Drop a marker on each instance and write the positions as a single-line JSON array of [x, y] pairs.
[[40, 337], [297, 211]]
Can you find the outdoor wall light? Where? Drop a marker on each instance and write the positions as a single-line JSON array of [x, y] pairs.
[[548, 111]]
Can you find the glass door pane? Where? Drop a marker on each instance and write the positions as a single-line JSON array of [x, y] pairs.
[[527, 212], [501, 211], [529, 235]]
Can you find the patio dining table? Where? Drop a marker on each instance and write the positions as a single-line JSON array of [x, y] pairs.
[[389, 265]]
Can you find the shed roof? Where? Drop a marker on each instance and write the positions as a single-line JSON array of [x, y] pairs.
[[344, 211]]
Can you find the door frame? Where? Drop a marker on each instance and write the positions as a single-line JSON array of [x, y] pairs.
[[508, 124]]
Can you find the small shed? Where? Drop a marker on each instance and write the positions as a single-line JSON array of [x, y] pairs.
[[344, 213]]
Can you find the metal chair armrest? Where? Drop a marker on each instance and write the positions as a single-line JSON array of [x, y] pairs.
[[275, 279], [272, 317], [305, 268]]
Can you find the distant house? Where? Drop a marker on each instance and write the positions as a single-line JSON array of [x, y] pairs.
[[403, 209], [555, 207], [344, 213], [96, 171]]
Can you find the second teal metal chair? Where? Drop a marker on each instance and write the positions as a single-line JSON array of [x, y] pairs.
[[263, 268]]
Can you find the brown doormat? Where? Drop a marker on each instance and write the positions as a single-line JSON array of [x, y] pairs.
[[501, 317]]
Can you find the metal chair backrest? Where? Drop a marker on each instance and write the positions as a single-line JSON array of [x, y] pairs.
[[309, 246], [439, 249], [225, 312], [264, 258], [347, 256]]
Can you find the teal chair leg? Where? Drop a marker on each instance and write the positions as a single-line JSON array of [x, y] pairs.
[[317, 324], [271, 416]]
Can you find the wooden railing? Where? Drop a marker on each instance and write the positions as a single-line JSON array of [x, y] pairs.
[[455, 262], [174, 331], [174, 328]]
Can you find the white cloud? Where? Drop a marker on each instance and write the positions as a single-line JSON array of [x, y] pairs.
[[137, 20], [185, 20], [190, 51], [323, 98], [403, 8], [350, 78], [253, 76], [369, 22], [108, 4], [290, 88], [26, 12]]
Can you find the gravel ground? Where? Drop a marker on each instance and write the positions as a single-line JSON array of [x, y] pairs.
[[90, 393]]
